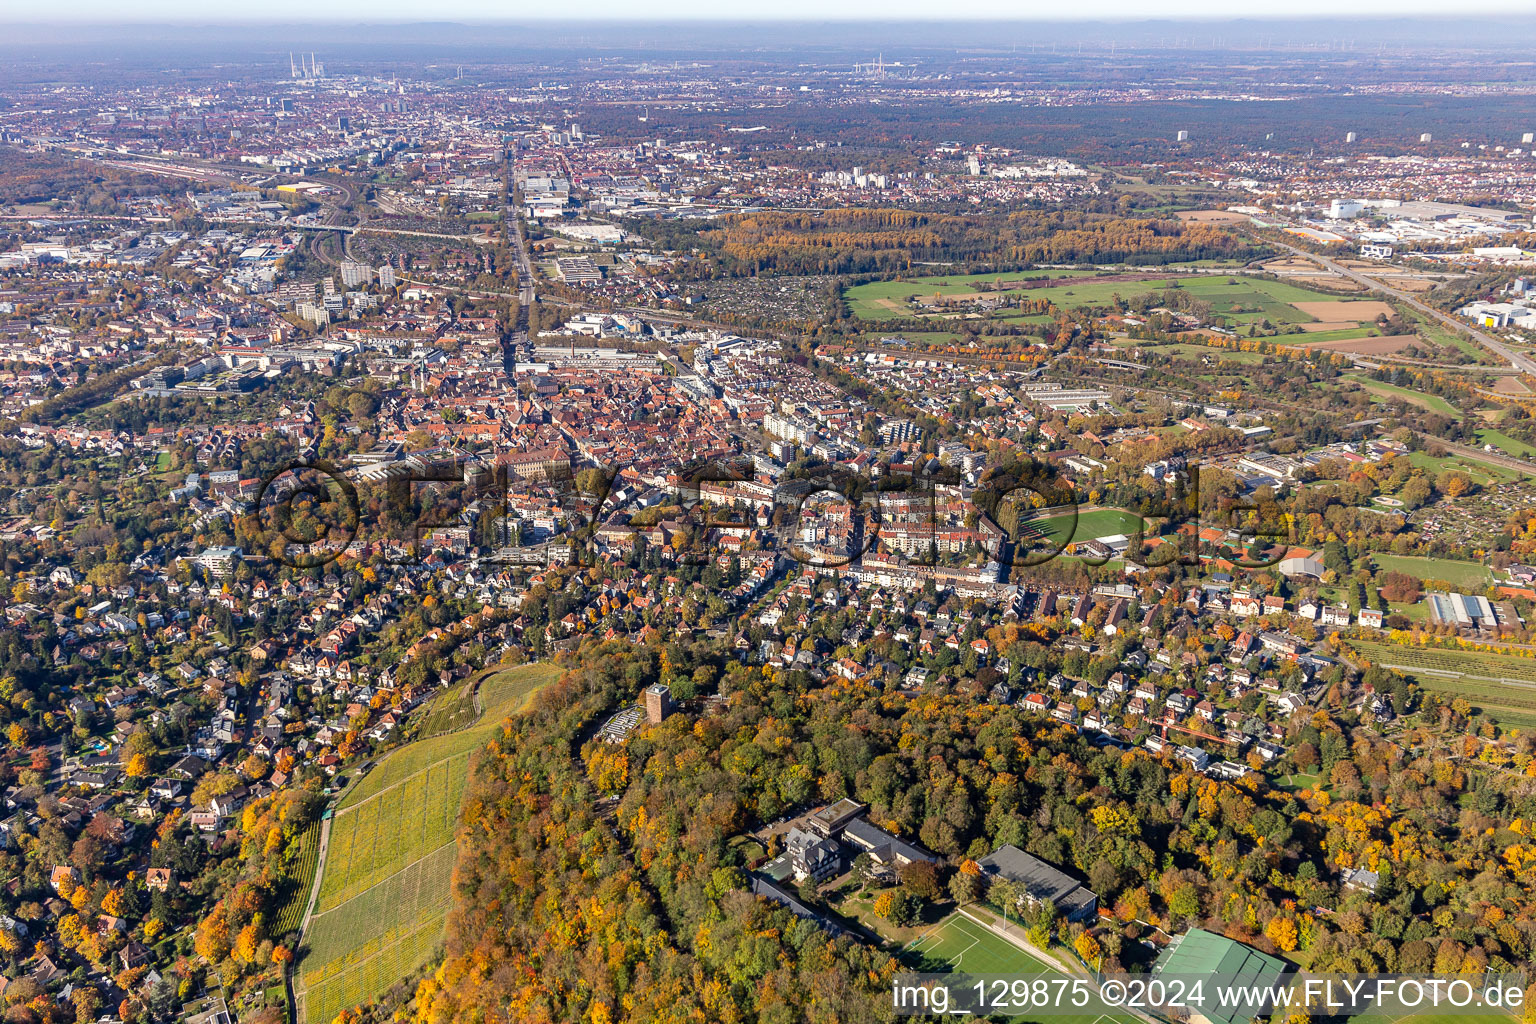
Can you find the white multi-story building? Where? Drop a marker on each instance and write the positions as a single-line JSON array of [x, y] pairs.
[[788, 427], [355, 275]]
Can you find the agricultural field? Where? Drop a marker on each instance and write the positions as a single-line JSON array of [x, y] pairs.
[[384, 889], [1189, 352], [449, 712], [1213, 216], [1342, 311], [1015, 319], [376, 837], [1248, 300], [1506, 385], [1314, 335], [301, 876], [378, 938], [505, 692], [1354, 342], [1500, 685], [502, 693]]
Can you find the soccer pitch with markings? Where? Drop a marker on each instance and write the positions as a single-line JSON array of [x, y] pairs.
[[960, 944]]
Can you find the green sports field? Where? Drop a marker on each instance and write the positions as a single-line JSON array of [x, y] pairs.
[[1482, 473], [1471, 575], [1446, 1016], [1088, 525], [963, 945]]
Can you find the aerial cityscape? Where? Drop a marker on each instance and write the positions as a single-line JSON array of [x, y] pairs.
[[701, 521]]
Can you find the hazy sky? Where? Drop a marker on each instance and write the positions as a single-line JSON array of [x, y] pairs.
[[656, 10]]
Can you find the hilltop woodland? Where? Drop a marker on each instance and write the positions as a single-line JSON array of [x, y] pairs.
[[570, 907], [859, 241]]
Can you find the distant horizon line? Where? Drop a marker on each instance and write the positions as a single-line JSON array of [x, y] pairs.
[[786, 19]]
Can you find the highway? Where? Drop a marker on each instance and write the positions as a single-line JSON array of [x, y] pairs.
[[526, 295], [1523, 363]]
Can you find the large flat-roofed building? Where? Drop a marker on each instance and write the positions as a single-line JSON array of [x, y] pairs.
[[1464, 611], [830, 820], [1041, 882], [1431, 211], [219, 562], [578, 270], [845, 820], [1228, 963]]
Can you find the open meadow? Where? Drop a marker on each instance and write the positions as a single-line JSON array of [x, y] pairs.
[[1239, 299]]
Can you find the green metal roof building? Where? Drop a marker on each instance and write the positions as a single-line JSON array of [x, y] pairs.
[[1224, 961]]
